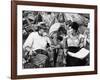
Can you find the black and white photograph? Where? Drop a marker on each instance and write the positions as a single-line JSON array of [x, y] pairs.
[[55, 39]]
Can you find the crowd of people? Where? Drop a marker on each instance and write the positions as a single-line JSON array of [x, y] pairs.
[[55, 39]]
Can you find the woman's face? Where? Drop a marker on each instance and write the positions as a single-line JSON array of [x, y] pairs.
[[70, 30], [73, 30]]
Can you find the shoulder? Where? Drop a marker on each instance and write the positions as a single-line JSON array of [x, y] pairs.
[[33, 34]]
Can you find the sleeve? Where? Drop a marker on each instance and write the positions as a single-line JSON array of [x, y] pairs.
[[29, 41]]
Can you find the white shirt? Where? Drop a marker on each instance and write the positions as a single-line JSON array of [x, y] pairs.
[[35, 41], [76, 41]]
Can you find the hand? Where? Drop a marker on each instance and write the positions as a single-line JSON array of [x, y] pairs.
[[34, 53], [27, 49], [30, 53]]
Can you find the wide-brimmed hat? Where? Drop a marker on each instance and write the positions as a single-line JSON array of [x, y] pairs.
[[42, 25]]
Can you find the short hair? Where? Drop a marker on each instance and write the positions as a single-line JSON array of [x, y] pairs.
[[75, 26]]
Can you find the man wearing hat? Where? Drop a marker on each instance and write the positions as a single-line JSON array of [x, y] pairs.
[[37, 41]]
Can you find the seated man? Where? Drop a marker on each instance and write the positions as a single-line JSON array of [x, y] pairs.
[[35, 41]]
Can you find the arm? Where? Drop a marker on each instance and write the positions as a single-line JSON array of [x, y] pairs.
[[82, 41], [51, 44], [28, 43]]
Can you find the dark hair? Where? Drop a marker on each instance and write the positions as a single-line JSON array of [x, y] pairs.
[[63, 30], [60, 38], [75, 26]]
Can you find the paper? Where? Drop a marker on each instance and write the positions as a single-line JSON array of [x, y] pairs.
[[80, 54]]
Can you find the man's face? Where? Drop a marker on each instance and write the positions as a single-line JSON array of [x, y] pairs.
[[41, 32]]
